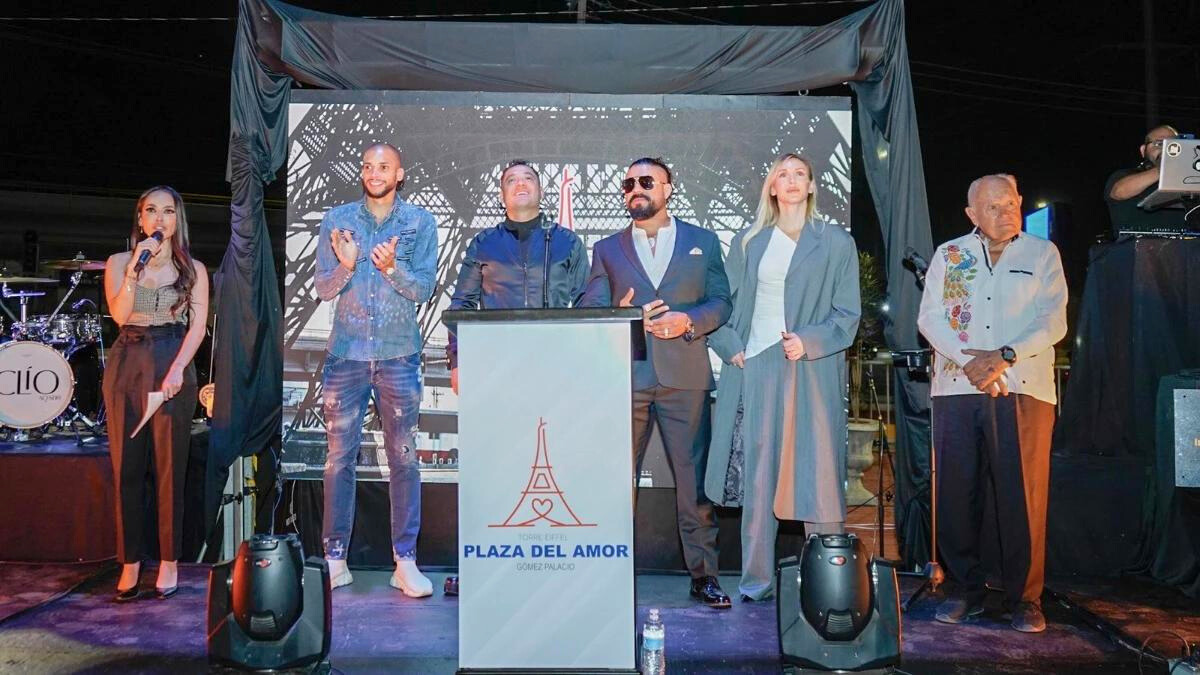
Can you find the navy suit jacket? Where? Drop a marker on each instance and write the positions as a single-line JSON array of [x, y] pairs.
[[695, 283]]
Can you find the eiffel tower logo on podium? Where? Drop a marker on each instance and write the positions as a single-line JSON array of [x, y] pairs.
[[542, 499]]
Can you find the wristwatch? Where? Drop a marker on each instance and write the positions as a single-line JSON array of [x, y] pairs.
[[690, 333], [1008, 354]]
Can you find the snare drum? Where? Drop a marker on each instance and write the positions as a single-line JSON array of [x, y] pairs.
[[36, 384], [58, 330]]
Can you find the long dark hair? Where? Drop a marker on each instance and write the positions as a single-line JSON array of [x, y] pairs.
[[181, 255]]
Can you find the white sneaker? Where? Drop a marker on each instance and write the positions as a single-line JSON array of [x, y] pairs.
[[339, 574], [410, 580]]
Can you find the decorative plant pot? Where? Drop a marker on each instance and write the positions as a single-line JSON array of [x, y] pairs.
[[859, 457]]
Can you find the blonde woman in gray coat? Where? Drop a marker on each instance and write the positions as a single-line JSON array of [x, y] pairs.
[[779, 428]]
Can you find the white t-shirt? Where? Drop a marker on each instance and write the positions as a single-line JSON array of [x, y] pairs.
[[768, 320]]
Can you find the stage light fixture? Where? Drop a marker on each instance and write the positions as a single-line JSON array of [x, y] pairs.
[[838, 609], [268, 608]]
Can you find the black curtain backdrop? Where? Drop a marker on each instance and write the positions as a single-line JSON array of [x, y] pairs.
[[1139, 326], [1138, 321], [279, 45]]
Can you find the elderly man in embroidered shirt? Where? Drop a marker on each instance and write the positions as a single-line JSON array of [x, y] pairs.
[[994, 306]]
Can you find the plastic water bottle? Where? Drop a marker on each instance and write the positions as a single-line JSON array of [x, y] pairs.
[[654, 659]]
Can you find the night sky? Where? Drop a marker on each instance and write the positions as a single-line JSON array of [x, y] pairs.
[[1053, 92]]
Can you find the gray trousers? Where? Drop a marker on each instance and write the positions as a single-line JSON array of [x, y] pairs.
[[683, 420], [768, 400]]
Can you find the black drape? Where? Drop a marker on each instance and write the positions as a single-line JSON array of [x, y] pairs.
[[278, 44], [1139, 325], [912, 470], [249, 372]]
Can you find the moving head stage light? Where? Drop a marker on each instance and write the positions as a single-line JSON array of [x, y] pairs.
[[268, 608], [838, 609]]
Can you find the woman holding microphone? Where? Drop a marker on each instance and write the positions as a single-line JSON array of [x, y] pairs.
[[158, 294]]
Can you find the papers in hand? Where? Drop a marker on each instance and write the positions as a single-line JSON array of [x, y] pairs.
[[154, 401]]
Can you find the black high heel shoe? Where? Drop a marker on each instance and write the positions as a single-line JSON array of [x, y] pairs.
[[164, 593], [128, 594]]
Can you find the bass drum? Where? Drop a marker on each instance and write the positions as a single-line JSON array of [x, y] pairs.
[[36, 384]]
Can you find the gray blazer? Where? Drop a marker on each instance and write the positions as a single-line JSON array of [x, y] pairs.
[[821, 306], [694, 283]]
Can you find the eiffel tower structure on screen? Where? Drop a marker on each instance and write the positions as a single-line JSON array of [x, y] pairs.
[[542, 499]]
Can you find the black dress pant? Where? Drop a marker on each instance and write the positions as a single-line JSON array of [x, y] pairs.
[[683, 421], [998, 448], [137, 364]]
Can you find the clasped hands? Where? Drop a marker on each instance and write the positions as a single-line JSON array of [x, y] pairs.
[[383, 256], [658, 318], [985, 371]]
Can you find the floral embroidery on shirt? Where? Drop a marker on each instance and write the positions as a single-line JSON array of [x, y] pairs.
[[956, 293]]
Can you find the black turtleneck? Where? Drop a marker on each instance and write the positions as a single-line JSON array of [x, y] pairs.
[[523, 232]]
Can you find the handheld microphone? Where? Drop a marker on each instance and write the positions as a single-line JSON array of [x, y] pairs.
[[144, 257]]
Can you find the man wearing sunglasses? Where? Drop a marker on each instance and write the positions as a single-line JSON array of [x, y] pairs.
[[527, 261], [674, 271]]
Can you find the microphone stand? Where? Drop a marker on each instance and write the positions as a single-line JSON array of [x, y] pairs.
[[885, 452], [932, 573], [546, 264]]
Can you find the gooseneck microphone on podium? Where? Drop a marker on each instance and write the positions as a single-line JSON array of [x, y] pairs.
[[144, 256]]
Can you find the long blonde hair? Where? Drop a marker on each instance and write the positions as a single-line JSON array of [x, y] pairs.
[[768, 204]]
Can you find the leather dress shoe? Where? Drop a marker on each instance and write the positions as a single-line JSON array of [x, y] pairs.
[[128, 594], [164, 593], [1028, 618], [707, 590], [958, 609]]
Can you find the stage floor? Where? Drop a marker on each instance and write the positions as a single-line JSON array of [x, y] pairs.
[[378, 630]]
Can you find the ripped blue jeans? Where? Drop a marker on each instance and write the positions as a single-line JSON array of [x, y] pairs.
[[348, 385]]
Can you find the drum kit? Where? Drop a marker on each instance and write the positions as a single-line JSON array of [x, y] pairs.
[[51, 365]]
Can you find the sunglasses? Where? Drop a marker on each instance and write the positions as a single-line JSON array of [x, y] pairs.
[[647, 183]]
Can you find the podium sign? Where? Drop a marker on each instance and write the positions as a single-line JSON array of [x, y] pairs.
[[545, 490]]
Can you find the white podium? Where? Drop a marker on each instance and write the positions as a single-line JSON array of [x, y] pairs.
[[545, 492]]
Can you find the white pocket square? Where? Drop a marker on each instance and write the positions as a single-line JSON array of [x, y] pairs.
[[696, 251]]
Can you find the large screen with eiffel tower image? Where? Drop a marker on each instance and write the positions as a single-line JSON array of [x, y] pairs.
[[454, 147]]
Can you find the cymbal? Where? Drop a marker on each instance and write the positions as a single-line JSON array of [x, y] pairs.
[[26, 280], [75, 264]]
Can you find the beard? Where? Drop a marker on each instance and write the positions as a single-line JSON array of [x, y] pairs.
[[645, 209], [382, 193]]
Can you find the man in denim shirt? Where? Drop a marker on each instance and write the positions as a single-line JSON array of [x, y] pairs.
[[377, 257]]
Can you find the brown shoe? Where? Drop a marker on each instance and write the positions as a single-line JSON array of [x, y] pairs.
[[1028, 618]]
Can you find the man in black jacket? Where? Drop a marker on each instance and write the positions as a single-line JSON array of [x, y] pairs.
[[507, 266]]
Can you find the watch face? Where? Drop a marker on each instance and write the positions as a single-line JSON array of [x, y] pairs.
[[1008, 354]]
